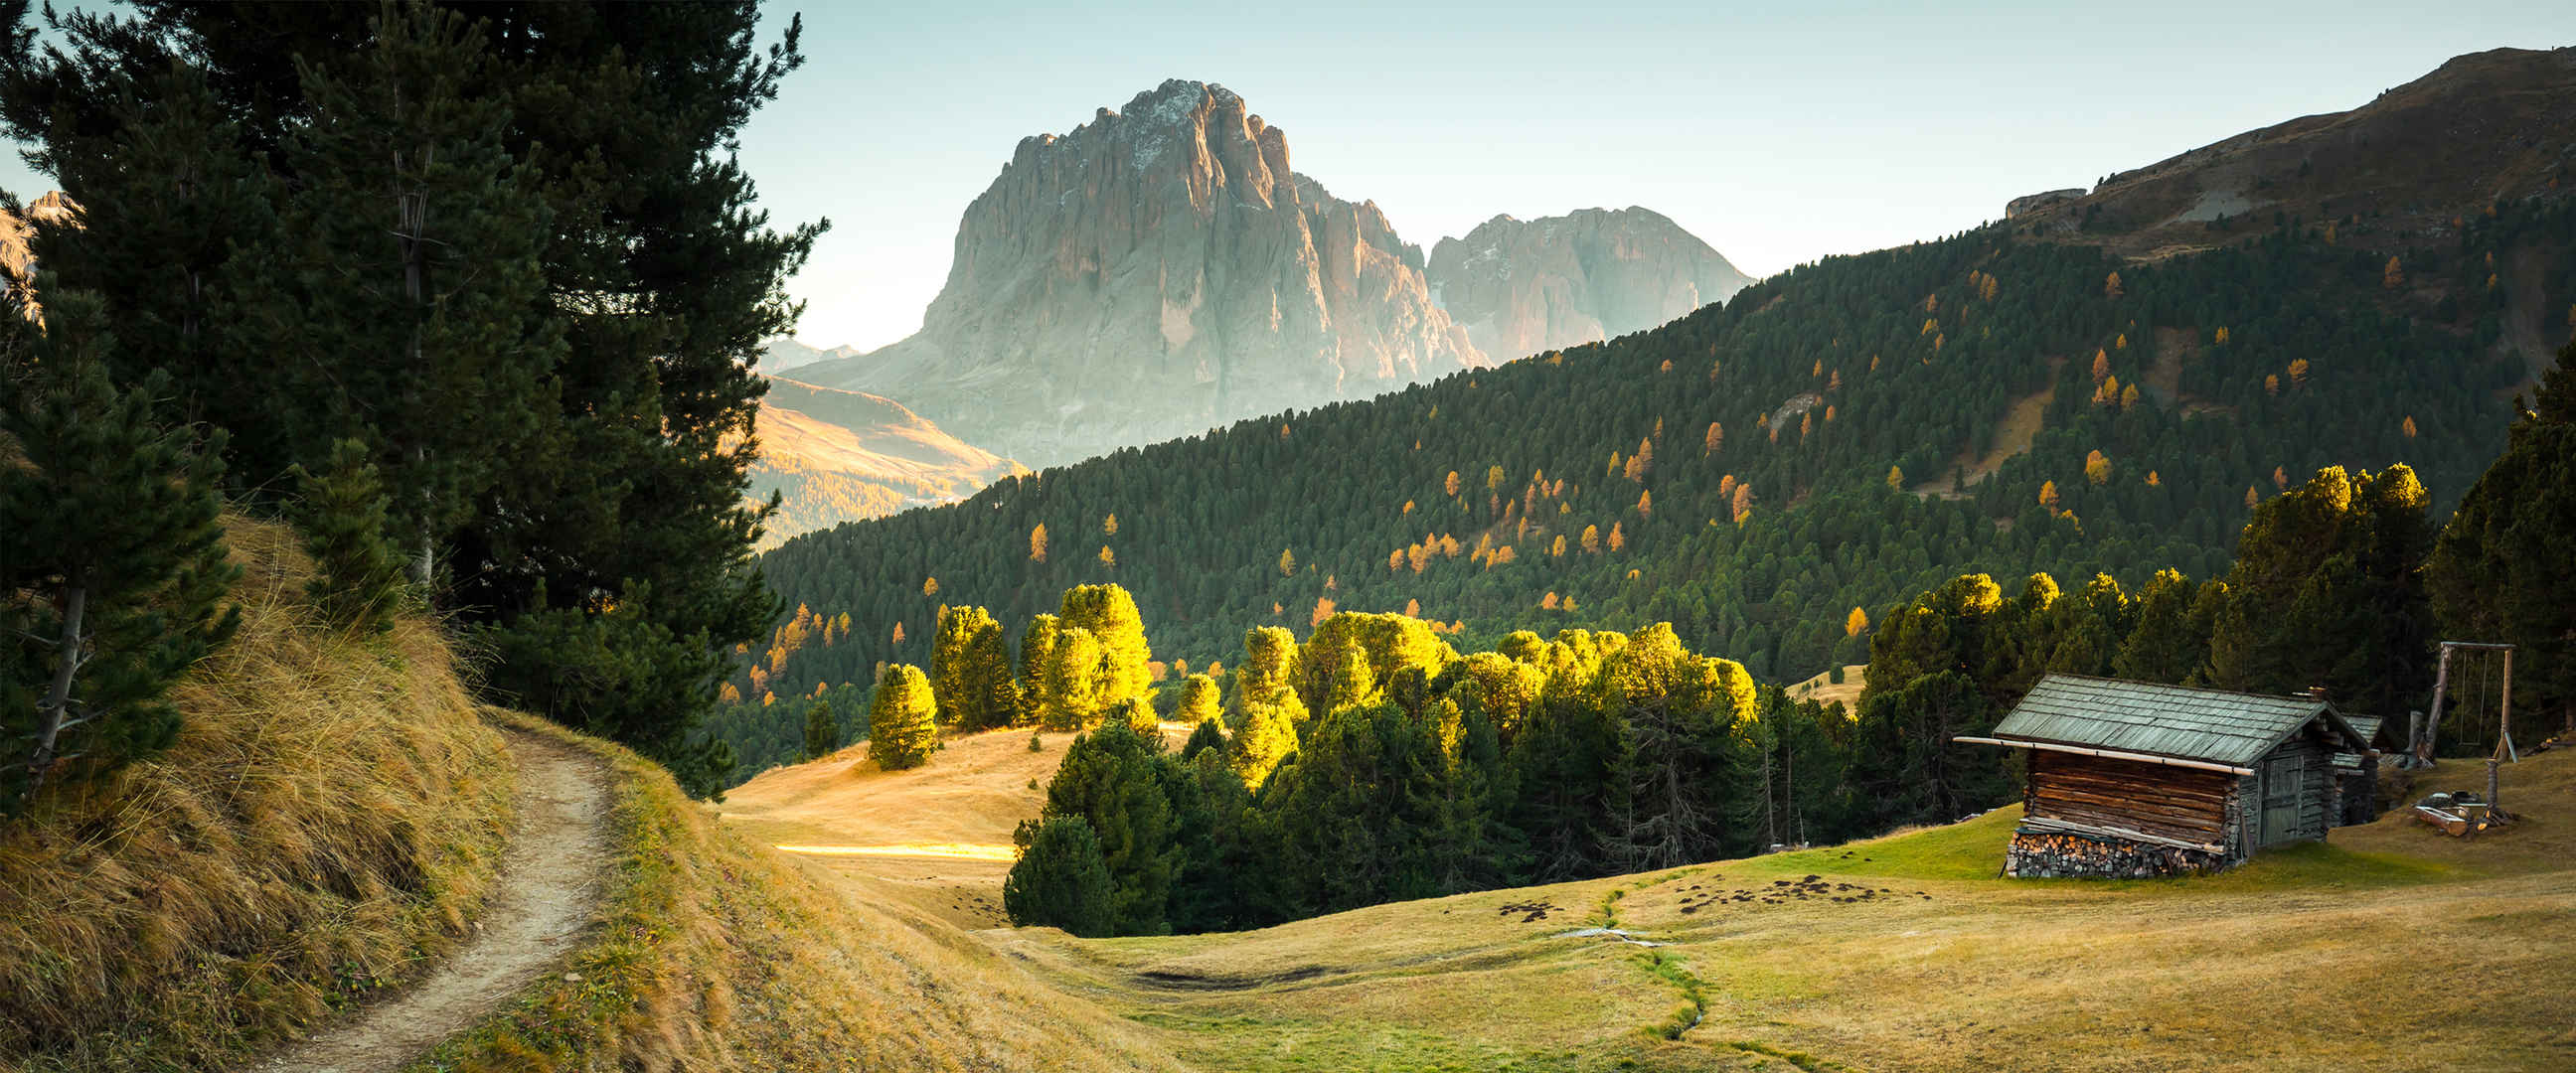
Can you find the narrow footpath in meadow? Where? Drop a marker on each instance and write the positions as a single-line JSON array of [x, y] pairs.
[[548, 885]]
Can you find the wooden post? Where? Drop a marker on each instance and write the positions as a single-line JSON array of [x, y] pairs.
[[2433, 723], [2504, 714]]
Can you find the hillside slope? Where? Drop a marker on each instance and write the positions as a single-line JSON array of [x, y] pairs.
[[836, 456], [710, 954], [2402, 171], [326, 826], [329, 834]]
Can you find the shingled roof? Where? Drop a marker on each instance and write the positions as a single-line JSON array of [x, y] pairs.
[[2207, 725]]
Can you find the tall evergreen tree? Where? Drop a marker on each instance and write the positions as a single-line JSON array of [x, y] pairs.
[[822, 729], [1110, 616], [608, 566], [1108, 778], [970, 670], [2166, 646], [112, 562], [903, 720], [359, 583], [1037, 653], [1061, 880], [2499, 570]]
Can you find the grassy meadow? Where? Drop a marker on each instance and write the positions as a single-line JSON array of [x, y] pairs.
[[1907, 952]]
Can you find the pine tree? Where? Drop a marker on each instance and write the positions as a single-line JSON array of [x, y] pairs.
[[360, 576], [1266, 735], [903, 727], [112, 561], [822, 730], [1060, 880], [2165, 645], [1200, 701], [1037, 653], [2498, 571], [1071, 699], [970, 671], [1109, 615], [1111, 778]]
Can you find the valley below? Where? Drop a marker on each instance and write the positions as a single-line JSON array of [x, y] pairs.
[[2389, 947]]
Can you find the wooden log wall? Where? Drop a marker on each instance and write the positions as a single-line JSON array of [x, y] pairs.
[[2189, 804], [2056, 855]]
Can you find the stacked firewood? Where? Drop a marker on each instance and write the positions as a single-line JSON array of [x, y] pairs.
[[2039, 854]]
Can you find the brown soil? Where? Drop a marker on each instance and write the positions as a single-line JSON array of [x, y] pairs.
[[546, 891]]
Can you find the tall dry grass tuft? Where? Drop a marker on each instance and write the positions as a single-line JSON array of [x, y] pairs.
[[323, 828]]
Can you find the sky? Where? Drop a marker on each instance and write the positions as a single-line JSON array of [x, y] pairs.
[[1778, 133]]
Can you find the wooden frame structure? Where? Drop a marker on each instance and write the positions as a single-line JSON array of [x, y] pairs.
[[2134, 779]]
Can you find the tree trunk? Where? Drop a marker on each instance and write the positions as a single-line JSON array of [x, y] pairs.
[[49, 712]]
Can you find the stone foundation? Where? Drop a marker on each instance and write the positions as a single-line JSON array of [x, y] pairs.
[[2068, 855]]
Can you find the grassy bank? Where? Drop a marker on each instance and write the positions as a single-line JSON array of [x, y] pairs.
[[322, 831], [711, 953]]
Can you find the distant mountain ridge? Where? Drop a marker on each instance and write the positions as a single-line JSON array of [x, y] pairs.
[[2404, 169], [1162, 270], [784, 353], [835, 456], [1523, 286]]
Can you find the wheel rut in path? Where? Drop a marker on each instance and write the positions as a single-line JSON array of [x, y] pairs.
[[545, 892]]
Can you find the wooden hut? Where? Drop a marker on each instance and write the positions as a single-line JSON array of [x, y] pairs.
[[2134, 779], [2356, 774]]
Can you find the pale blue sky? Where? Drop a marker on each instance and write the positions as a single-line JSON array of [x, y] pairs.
[[1779, 134]]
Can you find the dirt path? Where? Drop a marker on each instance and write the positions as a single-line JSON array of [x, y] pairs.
[[548, 884]]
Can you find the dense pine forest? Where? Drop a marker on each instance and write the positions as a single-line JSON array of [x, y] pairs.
[[1770, 476], [1373, 762], [327, 264]]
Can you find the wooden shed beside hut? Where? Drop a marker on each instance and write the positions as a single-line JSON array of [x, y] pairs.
[[2356, 774], [2135, 779]]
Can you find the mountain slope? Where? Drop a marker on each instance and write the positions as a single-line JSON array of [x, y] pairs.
[[1523, 286], [2403, 171], [1152, 273], [836, 456], [2222, 375]]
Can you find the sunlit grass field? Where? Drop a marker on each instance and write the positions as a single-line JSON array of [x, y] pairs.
[[1907, 952]]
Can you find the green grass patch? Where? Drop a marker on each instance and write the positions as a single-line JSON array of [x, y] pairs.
[[1800, 1059], [2313, 865], [1694, 1000], [1968, 851]]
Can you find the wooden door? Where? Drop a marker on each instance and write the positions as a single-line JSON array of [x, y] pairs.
[[2284, 778]]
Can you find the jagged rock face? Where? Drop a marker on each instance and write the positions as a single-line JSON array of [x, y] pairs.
[[2033, 202], [1154, 273], [1523, 286]]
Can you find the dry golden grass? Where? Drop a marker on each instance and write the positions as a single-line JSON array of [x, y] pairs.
[[1824, 690], [323, 828], [2359, 953], [716, 954], [937, 837], [2389, 948]]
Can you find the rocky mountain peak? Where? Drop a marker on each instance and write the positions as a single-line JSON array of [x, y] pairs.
[[1524, 286], [1152, 273]]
